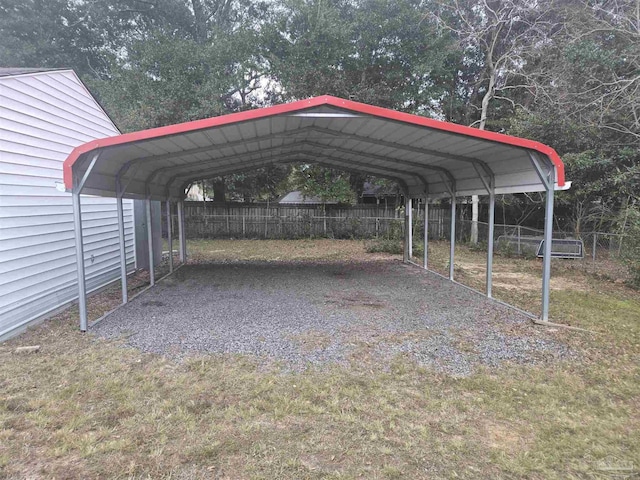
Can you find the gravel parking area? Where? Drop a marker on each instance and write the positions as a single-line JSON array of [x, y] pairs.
[[311, 314]]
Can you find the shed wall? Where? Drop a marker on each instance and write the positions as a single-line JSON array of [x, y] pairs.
[[42, 118]]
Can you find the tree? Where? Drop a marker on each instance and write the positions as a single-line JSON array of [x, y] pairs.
[[591, 73], [84, 35], [266, 183], [373, 50], [605, 178], [325, 183], [203, 63], [585, 101], [497, 39], [166, 80]]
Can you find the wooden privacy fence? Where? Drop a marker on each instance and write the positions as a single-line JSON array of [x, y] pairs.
[[271, 221]]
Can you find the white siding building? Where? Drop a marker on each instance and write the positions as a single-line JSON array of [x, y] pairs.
[[43, 116]]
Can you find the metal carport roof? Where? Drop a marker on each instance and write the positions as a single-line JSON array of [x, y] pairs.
[[422, 154], [428, 158]]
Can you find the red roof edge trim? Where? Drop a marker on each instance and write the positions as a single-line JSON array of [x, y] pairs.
[[356, 107]]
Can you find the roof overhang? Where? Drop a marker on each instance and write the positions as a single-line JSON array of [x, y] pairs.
[[425, 156]]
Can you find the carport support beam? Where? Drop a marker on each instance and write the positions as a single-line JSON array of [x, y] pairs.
[[82, 286], [492, 214], [546, 173], [407, 226], [548, 239], [452, 248], [425, 256], [123, 251], [410, 207], [78, 185], [181, 236], [169, 235], [152, 276]]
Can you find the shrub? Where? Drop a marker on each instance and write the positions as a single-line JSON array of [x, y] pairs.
[[630, 251], [387, 245], [478, 247]]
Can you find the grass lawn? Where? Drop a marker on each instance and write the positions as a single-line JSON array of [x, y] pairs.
[[87, 408]]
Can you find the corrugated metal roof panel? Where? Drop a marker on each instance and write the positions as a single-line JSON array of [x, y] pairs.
[[422, 154]]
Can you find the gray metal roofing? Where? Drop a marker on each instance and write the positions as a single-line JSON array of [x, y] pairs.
[[421, 159]]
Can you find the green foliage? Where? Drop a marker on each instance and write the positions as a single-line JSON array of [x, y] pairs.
[[604, 176], [385, 245], [327, 184], [267, 183], [378, 51], [84, 35], [571, 82], [631, 246], [480, 246], [395, 231], [167, 79], [392, 241]]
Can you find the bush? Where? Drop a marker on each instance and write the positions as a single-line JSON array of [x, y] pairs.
[[630, 251], [478, 247], [395, 231], [387, 245]]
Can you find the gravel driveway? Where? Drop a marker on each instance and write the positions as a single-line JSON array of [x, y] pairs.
[[302, 314]]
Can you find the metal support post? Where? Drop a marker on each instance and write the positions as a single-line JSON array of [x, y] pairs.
[[548, 239], [407, 226], [82, 286], [410, 209], [425, 255], [169, 235], [123, 251], [595, 243], [547, 177], [152, 277], [181, 235], [78, 185], [453, 236], [492, 214]]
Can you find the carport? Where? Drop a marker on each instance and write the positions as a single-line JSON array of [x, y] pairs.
[[429, 159]]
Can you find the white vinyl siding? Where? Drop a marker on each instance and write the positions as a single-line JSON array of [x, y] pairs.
[[43, 117]]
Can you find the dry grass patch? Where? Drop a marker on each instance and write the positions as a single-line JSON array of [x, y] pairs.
[[87, 408], [280, 250], [312, 340]]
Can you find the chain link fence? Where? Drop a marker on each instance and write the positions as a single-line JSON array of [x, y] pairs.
[[596, 252]]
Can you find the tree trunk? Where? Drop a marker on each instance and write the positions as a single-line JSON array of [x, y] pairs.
[[356, 182], [199, 21], [487, 98], [219, 191], [475, 200]]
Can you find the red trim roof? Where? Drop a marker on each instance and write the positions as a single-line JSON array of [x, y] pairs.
[[302, 105]]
